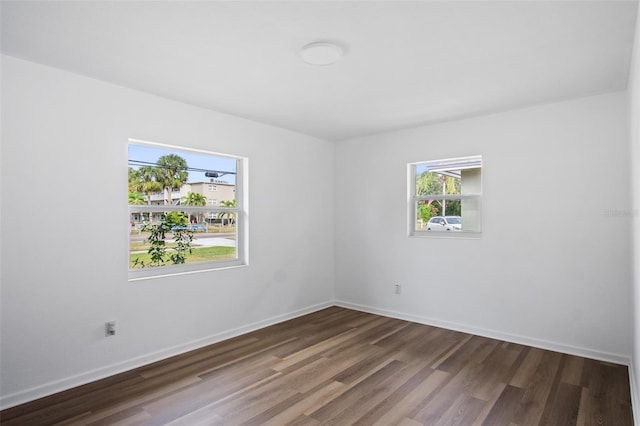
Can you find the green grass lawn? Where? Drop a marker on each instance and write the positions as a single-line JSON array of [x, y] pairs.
[[144, 245], [205, 254]]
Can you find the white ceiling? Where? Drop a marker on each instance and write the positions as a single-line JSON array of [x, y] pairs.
[[407, 63]]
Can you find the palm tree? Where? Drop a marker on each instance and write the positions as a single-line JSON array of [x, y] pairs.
[[432, 183], [134, 180], [231, 216], [195, 199], [148, 182], [136, 198], [144, 180], [171, 172]]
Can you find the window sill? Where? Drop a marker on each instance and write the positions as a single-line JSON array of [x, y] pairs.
[[464, 235], [171, 271]]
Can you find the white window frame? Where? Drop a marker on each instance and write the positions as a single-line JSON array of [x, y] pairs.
[[241, 211], [413, 199]]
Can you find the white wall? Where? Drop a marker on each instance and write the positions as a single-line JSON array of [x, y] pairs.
[[634, 120], [553, 266], [561, 281], [64, 255]]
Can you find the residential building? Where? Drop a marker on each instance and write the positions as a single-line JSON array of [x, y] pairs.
[[214, 191]]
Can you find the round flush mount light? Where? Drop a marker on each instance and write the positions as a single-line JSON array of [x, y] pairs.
[[321, 53]]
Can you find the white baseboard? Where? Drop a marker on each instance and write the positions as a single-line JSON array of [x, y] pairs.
[[493, 334], [50, 388]]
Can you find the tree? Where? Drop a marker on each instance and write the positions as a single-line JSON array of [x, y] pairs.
[[195, 199], [182, 236], [144, 180], [138, 186], [134, 180], [136, 198], [174, 223], [451, 186], [231, 216], [426, 210], [430, 184], [149, 182], [171, 172]]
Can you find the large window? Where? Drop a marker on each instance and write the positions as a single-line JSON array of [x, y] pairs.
[[175, 226], [445, 197]]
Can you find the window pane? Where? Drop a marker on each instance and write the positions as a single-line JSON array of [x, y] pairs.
[[159, 176], [180, 179], [432, 183], [448, 177], [449, 193], [470, 213], [212, 236], [452, 215]]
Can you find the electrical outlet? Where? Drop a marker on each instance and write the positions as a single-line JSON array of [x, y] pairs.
[[110, 328], [398, 289]]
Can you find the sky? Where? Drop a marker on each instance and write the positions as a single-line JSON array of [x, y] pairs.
[[194, 160]]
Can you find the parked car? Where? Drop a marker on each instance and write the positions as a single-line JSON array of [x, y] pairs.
[[445, 223]]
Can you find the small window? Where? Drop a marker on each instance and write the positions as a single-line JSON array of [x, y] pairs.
[[445, 197], [213, 188], [173, 226]]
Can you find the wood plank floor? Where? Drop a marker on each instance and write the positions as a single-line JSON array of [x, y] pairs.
[[343, 367]]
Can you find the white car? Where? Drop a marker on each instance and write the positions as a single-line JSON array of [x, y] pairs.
[[445, 223]]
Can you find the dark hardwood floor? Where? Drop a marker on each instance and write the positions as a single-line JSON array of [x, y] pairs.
[[343, 367]]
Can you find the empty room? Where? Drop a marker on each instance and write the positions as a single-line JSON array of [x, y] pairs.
[[320, 212]]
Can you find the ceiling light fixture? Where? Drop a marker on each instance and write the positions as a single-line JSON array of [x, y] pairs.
[[321, 53]]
